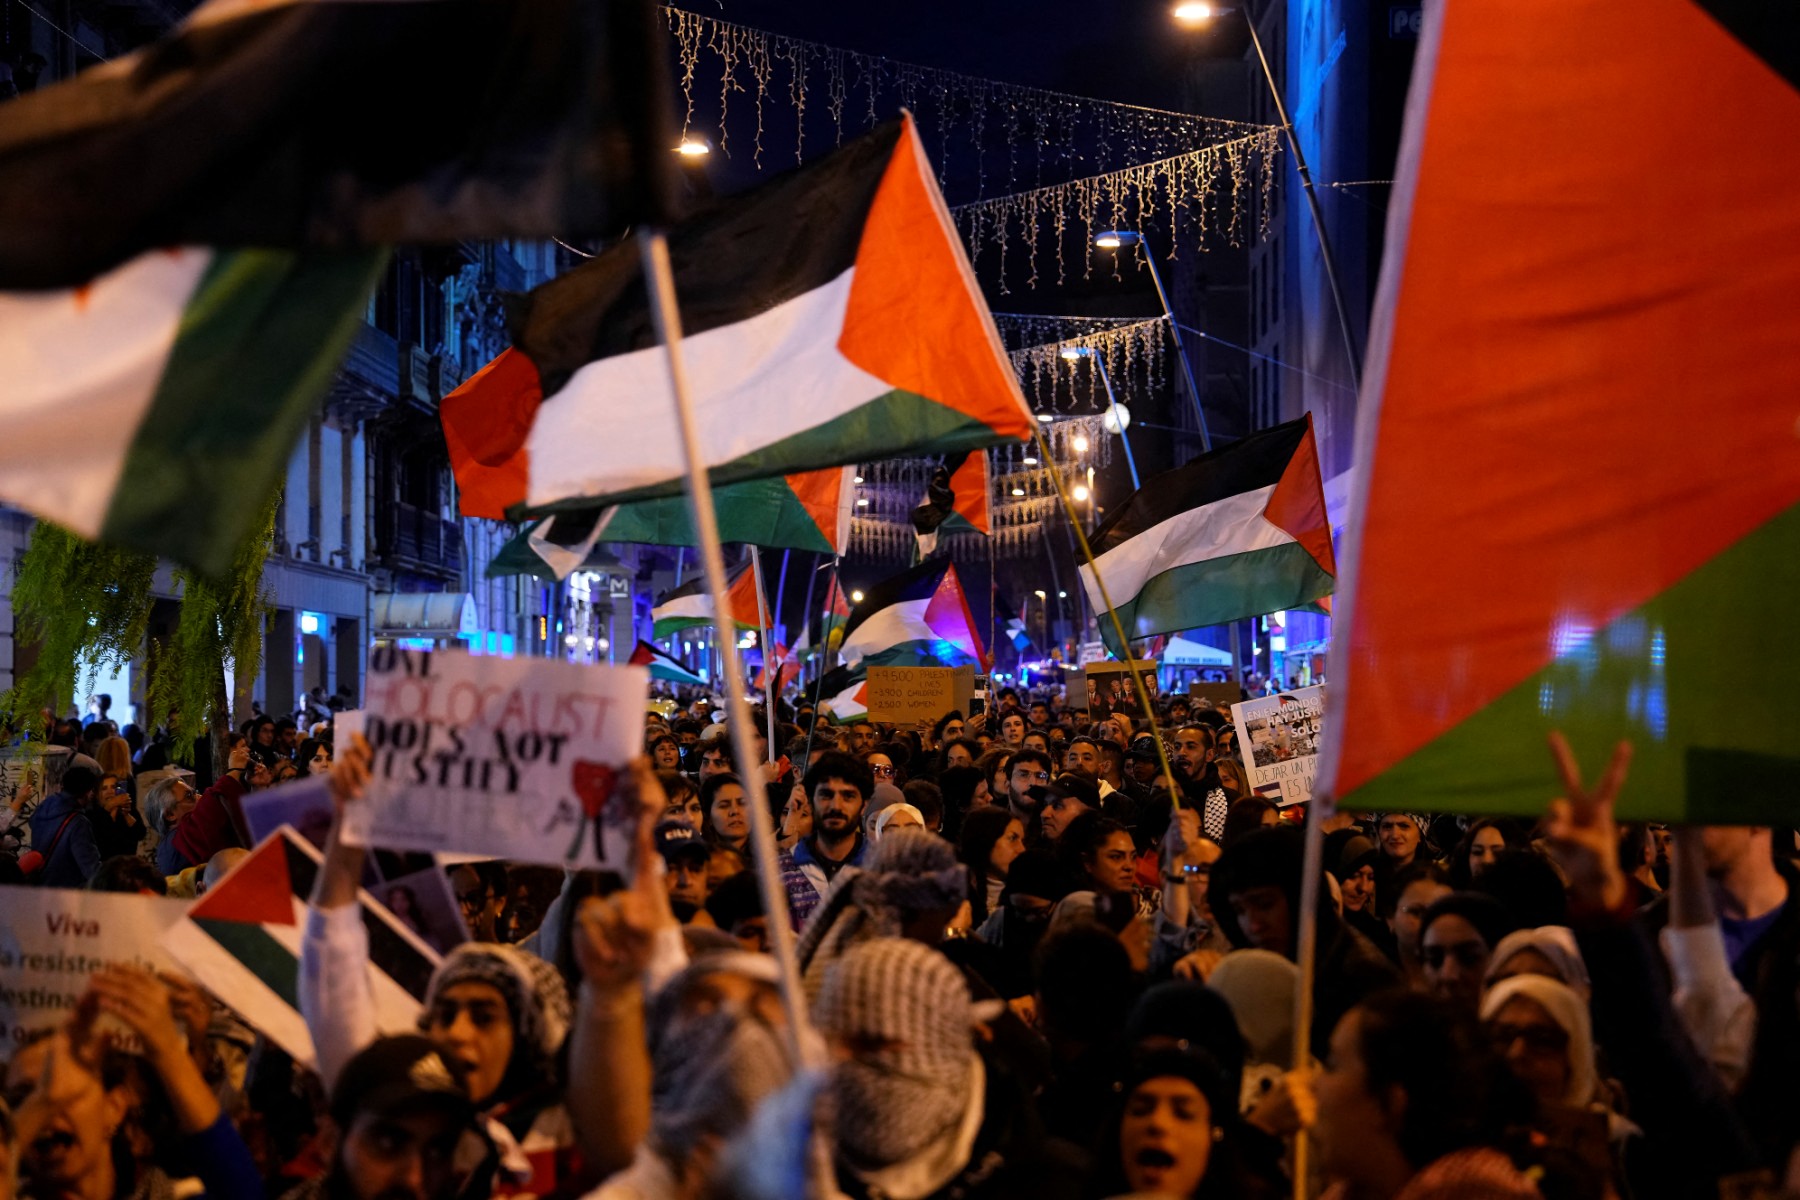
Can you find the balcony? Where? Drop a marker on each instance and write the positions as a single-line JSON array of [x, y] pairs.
[[417, 539]]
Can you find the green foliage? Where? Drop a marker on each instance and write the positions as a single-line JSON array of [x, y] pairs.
[[87, 606], [221, 627]]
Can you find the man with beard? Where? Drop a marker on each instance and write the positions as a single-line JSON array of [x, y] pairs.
[[1191, 754], [918, 1111], [840, 787], [403, 1128], [1027, 773]]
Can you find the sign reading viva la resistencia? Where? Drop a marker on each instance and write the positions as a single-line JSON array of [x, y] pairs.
[[512, 758]]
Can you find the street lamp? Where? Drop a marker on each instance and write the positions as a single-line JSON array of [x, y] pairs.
[[1117, 417], [1113, 239], [856, 597], [693, 147], [1197, 12]]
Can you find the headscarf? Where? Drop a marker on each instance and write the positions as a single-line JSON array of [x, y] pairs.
[[893, 1103], [887, 814], [537, 999], [710, 1069], [909, 870], [1259, 986], [1557, 944], [1569, 1011]]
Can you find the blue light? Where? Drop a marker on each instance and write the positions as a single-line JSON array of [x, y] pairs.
[[310, 622], [507, 645], [493, 642]]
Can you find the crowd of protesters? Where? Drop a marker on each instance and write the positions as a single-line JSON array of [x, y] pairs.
[[1038, 956]]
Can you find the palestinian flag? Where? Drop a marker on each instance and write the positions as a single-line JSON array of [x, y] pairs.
[[339, 124], [831, 317], [156, 407], [807, 511], [919, 618], [956, 500], [691, 604], [843, 696], [1579, 500], [241, 940], [663, 665], [837, 615], [1235, 533], [1013, 624]]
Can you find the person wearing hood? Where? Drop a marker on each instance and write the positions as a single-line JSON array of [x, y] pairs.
[[498, 1012], [1254, 894], [917, 1111], [1035, 883]]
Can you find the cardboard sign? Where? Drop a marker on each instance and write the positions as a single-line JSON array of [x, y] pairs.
[[515, 758], [1278, 740], [907, 695], [52, 939], [1217, 694], [1109, 689]]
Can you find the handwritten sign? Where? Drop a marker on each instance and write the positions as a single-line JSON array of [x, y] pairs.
[[904, 695], [514, 758], [52, 939], [1278, 739]]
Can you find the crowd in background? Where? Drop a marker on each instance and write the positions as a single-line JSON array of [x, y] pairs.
[[1041, 956]]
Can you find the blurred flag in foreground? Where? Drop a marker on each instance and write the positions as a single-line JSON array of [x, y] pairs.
[[1579, 499]]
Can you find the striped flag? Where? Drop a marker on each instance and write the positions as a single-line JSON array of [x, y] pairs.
[[156, 406], [1235, 533], [843, 696], [956, 500], [338, 124], [241, 940], [831, 318], [807, 511], [920, 617], [663, 665], [691, 605], [1579, 499]]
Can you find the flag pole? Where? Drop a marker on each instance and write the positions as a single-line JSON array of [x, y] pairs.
[[659, 278], [1087, 553], [1306, 949], [770, 668], [824, 644]]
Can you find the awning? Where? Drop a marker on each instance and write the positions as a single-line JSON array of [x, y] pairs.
[[1182, 653], [424, 614]]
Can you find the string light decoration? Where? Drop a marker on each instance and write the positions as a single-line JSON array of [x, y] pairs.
[[1016, 137], [1135, 353], [1203, 193]]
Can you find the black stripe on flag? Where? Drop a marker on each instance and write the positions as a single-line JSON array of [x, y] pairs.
[[919, 583], [341, 123], [1253, 462], [736, 258]]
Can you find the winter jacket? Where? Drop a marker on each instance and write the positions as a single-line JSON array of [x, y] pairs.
[[71, 856]]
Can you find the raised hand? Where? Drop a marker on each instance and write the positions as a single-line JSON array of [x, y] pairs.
[[1582, 833], [350, 772]]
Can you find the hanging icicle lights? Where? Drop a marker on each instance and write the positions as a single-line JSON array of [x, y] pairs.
[[1134, 352], [1003, 135]]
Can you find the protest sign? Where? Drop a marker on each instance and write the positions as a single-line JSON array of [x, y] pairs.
[[52, 939], [241, 940], [514, 758], [1278, 740], [1109, 688], [425, 903], [304, 804], [905, 695]]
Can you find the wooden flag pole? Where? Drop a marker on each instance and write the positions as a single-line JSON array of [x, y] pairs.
[[659, 278], [1306, 951], [1087, 554]]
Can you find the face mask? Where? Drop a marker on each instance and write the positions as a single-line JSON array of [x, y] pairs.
[[711, 1072], [885, 1116]]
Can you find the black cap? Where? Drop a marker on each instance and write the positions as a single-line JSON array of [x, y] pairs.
[[677, 840], [1076, 787], [399, 1072], [1143, 748]]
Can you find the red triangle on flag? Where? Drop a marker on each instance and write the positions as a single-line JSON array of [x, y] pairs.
[[948, 616], [258, 892]]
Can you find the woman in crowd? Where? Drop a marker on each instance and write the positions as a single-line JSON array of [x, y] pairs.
[[313, 757], [727, 814], [1412, 892], [665, 752], [261, 735], [1457, 937], [117, 830], [957, 753], [1483, 844], [1170, 1132], [992, 838], [114, 757], [884, 763], [796, 817], [1250, 813], [683, 800]]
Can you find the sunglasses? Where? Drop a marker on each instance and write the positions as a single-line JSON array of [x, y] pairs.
[[880, 770]]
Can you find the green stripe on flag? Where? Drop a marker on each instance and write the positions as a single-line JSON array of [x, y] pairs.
[[1703, 672], [262, 335], [1218, 590], [895, 424], [261, 955]]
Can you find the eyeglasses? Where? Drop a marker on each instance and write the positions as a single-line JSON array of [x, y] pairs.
[[1040, 777], [882, 770], [1538, 1039]]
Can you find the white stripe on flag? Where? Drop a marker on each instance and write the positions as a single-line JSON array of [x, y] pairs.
[[891, 626], [1234, 525], [81, 368], [756, 382]]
